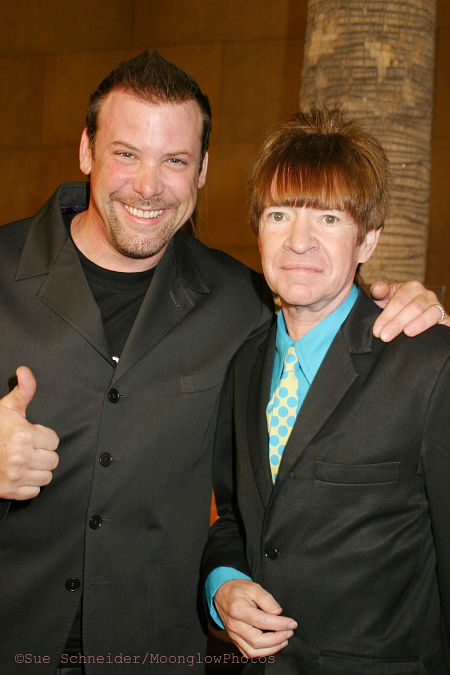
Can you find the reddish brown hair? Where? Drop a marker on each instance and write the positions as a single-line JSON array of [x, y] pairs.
[[320, 160]]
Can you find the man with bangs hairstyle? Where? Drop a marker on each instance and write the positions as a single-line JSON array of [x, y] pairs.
[[331, 554]]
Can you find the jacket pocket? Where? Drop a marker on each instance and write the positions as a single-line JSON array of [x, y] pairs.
[[357, 474], [202, 381]]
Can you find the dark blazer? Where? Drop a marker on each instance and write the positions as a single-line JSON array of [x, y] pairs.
[[126, 517], [354, 539]]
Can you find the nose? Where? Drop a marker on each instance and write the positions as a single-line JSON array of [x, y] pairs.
[[300, 238], [148, 181]]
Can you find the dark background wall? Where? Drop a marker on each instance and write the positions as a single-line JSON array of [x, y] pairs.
[[247, 55]]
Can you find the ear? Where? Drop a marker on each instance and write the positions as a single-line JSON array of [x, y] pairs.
[[368, 246], [85, 154], [203, 171]]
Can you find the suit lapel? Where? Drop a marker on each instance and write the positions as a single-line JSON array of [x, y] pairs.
[[67, 293], [258, 397], [48, 251], [333, 379], [175, 290]]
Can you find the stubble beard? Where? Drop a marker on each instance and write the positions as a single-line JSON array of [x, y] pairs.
[[138, 246]]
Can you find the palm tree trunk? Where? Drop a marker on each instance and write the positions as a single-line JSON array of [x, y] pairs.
[[375, 59]]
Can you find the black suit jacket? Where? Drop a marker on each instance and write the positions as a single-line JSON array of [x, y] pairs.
[[354, 539], [126, 516]]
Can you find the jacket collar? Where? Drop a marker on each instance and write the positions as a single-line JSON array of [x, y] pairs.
[[47, 233]]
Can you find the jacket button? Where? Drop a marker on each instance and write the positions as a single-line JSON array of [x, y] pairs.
[[271, 553], [72, 584], [95, 522], [105, 459], [113, 396]]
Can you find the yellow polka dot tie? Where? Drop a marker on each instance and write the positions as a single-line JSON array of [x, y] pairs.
[[282, 411]]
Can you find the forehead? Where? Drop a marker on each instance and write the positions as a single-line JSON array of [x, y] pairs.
[[123, 113]]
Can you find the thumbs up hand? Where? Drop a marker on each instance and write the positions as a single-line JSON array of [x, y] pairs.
[[27, 451]]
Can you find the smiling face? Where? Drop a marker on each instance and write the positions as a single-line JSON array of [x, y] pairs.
[[144, 176], [309, 258]]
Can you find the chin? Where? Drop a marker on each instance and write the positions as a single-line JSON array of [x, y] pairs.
[[300, 298]]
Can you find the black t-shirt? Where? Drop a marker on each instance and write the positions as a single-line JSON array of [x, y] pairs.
[[119, 296]]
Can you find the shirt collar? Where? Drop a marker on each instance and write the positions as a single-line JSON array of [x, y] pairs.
[[313, 346]]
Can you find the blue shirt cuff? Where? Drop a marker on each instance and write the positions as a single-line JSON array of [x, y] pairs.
[[215, 579]]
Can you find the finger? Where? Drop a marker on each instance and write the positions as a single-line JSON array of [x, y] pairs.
[[266, 622], [19, 398], [267, 640], [36, 479], [21, 493], [44, 437], [27, 486], [29, 437], [428, 318], [414, 318], [402, 310], [250, 650], [43, 460], [254, 636], [264, 600]]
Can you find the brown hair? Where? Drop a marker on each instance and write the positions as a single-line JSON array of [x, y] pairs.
[[320, 160], [155, 80]]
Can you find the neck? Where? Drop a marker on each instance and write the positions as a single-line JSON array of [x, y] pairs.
[[301, 319]]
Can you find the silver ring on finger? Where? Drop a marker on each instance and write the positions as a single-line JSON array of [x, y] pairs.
[[442, 311]]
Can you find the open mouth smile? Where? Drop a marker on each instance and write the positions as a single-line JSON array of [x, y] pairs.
[[139, 213]]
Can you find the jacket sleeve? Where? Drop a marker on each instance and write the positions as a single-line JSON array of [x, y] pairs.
[[225, 546], [436, 463]]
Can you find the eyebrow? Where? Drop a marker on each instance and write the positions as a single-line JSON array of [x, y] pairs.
[[124, 144], [132, 147]]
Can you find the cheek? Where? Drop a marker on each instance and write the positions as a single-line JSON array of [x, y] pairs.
[[110, 179], [265, 253], [269, 244], [182, 184], [347, 267], [342, 254]]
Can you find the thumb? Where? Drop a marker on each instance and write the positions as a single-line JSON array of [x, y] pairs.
[[381, 290], [19, 398], [267, 602]]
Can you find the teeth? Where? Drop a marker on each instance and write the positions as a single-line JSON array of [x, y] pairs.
[[143, 214]]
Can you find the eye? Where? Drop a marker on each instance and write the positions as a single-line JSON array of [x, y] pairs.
[[126, 155], [277, 216], [329, 219], [176, 161]]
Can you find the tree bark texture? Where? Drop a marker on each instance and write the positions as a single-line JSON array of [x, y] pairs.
[[375, 59]]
